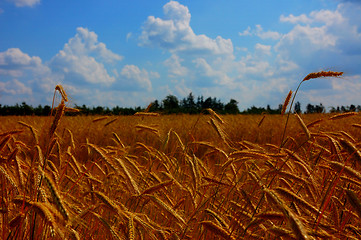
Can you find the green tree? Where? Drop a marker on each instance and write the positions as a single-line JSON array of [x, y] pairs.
[[231, 107], [298, 107], [171, 104]]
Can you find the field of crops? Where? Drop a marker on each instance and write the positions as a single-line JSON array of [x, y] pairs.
[[180, 177]]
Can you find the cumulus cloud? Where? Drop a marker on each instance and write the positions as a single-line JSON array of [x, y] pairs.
[[259, 32], [14, 87], [82, 59], [136, 78], [324, 38], [175, 34], [263, 49], [295, 19], [210, 73], [175, 67], [25, 3], [23, 76], [14, 59], [16, 64]]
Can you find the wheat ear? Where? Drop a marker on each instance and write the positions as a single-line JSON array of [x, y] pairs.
[[133, 185], [34, 132], [216, 229], [354, 200], [131, 230], [62, 92], [286, 102], [294, 198], [217, 217], [295, 224], [322, 74], [58, 115], [56, 197], [303, 125], [167, 208], [343, 115], [351, 149], [157, 187], [308, 77]]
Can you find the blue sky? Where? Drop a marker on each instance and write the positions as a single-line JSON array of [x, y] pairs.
[[129, 53]]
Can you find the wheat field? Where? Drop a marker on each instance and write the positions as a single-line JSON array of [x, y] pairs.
[[180, 176]]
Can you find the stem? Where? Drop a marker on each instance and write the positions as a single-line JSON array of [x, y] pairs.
[[288, 115]]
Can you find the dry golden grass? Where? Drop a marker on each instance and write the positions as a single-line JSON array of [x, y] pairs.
[[180, 177]]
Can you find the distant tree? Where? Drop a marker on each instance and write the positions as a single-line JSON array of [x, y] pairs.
[[255, 110], [98, 110], [190, 104], [155, 106], [171, 104], [310, 108], [207, 103], [320, 108], [200, 102], [333, 110], [298, 107], [352, 108], [315, 109], [231, 107], [26, 109]]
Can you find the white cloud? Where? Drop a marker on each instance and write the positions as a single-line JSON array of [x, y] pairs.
[[181, 89], [246, 32], [134, 77], [295, 19], [259, 32], [82, 59], [266, 34], [263, 49], [154, 74], [14, 64], [14, 58], [14, 87], [25, 3], [24, 77], [86, 42], [129, 35], [329, 39], [175, 34], [175, 67], [213, 75]]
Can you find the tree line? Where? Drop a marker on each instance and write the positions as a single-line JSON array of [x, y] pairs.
[[172, 105]]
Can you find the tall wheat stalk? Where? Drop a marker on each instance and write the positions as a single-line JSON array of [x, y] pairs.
[[308, 77]]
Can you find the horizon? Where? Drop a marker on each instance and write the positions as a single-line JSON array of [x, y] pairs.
[[132, 53]]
